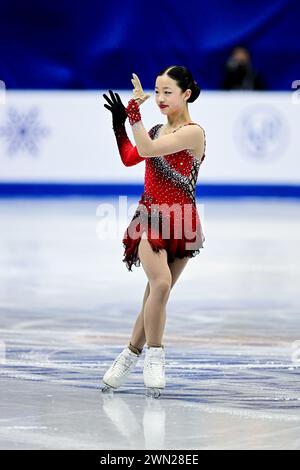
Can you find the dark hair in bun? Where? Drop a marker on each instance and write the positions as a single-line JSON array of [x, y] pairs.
[[184, 80]]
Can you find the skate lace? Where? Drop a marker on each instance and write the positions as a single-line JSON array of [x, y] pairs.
[[156, 364], [123, 363]]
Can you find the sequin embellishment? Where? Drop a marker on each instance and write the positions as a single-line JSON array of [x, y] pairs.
[[187, 183], [170, 182]]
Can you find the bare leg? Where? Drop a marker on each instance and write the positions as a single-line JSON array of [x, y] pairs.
[[177, 267], [138, 337], [159, 276]]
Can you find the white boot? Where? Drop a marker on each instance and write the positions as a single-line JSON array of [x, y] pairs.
[[119, 370], [154, 371]]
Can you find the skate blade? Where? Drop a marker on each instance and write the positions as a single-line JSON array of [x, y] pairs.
[[107, 389], [152, 392]]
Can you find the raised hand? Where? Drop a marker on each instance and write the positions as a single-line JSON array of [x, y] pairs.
[[116, 107], [138, 93]]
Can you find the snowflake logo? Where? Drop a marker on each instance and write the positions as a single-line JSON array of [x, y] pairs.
[[23, 131]]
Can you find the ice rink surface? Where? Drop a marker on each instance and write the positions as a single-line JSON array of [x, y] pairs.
[[232, 338]]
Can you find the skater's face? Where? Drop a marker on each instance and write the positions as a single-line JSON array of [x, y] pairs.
[[168, 93]]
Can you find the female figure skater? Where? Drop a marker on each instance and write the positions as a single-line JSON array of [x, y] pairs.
[[165, 230]]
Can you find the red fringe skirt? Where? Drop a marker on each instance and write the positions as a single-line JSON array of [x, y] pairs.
[[176, 228]]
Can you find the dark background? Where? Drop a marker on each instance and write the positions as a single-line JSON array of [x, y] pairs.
[[89, 44]]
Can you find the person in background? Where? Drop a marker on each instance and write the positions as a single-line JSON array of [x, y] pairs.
[[239, 72]]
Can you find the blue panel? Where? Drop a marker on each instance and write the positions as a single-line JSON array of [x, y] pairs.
[[87, 190], [94, 45]]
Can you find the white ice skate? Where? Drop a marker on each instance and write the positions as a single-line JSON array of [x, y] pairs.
[[116, 375], [154, 371]]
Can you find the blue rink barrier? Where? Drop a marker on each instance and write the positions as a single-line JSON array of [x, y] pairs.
[[40, 190]]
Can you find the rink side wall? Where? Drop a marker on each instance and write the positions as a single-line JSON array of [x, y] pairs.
[[61, 143]]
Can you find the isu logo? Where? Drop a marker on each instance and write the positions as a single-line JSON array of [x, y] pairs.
[[261, 133]]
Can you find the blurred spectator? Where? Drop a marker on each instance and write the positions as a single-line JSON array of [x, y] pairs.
[[239, 72]]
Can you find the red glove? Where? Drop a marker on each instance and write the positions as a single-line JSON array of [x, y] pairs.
[[129, 153], [133, 111]]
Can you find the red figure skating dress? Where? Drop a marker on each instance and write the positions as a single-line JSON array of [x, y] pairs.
[[167, 210]]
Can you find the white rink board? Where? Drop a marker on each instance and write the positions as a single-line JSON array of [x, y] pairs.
[[252, 137]]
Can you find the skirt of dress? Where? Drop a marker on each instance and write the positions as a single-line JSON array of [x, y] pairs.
[[179, 232]]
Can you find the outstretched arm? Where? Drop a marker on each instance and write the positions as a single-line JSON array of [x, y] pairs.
[[185, 138]]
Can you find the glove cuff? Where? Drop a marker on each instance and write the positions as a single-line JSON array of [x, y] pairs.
[[133, 112]]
